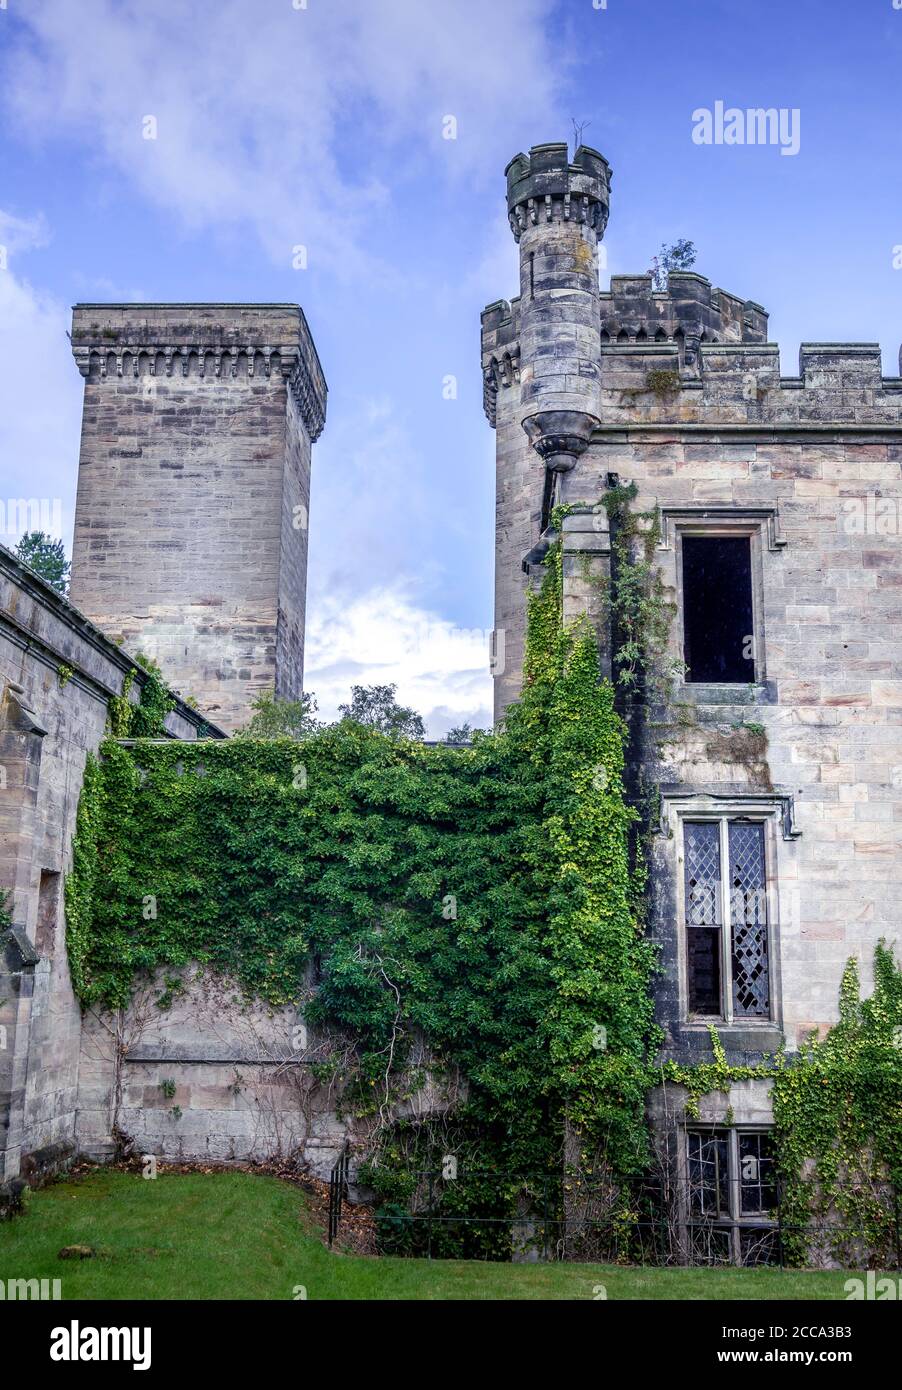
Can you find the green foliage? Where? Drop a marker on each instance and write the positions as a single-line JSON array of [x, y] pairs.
[[661, 382], [640, 610], [601, 964], [679, 255], [157, 700], [756, 730], [147, 718], [717, 1075], [82, 887], [476, 897], [838, 1121], [46, 557], [375, 707], [120, 709], [275, 718], [461, 733]]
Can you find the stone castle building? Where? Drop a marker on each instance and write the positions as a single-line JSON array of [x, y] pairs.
[[775, 755], [778, 754]]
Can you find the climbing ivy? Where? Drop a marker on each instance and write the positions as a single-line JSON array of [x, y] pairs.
[[147, 718], [640, 611], [481, 900], [837, 1108], [838, 1124], [476, 897]]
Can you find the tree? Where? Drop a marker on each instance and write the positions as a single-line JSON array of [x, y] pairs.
[[275, 718], [678, 256], [578, 128], [462, 733], [46, 557], [376, 706]]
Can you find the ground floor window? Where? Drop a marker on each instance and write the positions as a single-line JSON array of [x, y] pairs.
[[731, 1208]]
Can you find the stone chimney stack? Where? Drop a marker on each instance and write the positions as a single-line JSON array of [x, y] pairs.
[[192, 513]]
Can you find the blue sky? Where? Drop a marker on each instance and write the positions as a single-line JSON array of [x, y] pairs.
[[323, 126]]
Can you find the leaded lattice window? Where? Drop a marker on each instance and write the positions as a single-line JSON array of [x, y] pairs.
[[726, 918], [748, 920], [731, 1206], [703, 915]]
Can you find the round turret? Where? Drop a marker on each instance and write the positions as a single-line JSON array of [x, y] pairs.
[[558, 211]]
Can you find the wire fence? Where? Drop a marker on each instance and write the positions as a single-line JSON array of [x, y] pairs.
[[481, 1214]]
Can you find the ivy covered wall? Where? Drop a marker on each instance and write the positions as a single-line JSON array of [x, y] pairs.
[[480, 898], [484, 901]]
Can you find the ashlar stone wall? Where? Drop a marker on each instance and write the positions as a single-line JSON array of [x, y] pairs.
[[192, 511], [57, 675]]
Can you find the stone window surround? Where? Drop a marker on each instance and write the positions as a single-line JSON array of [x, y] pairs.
[[769, 810], [762, 526], [735, 1222]]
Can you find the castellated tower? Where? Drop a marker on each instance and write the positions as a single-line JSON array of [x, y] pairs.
[[549, 342], [193, 491], [768, 737]]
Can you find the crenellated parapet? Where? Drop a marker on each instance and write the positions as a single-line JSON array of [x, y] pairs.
[[740, 383], [558, 211], [500, 353], [688, 313], [213, 343], [544, 186]]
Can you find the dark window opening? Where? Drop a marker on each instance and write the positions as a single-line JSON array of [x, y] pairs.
[[757, 1176], [48, 906], [549, 497], [717, 608], [709, 1175], [704, 970]]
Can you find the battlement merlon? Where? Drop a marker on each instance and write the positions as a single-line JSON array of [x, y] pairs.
[[500, 353], [545, 185], [690, 304], [216, 340]]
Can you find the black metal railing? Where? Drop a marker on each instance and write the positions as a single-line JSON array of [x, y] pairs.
[[338, 1190], [484, 1214]]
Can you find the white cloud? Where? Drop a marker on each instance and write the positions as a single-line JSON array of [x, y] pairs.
[[101, 287], [370, 488], [290, 126], [383, 638], [276, 117], [40, 404], [22, 233]]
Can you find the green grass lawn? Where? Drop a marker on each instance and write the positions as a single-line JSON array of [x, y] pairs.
[[236, 1235]]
